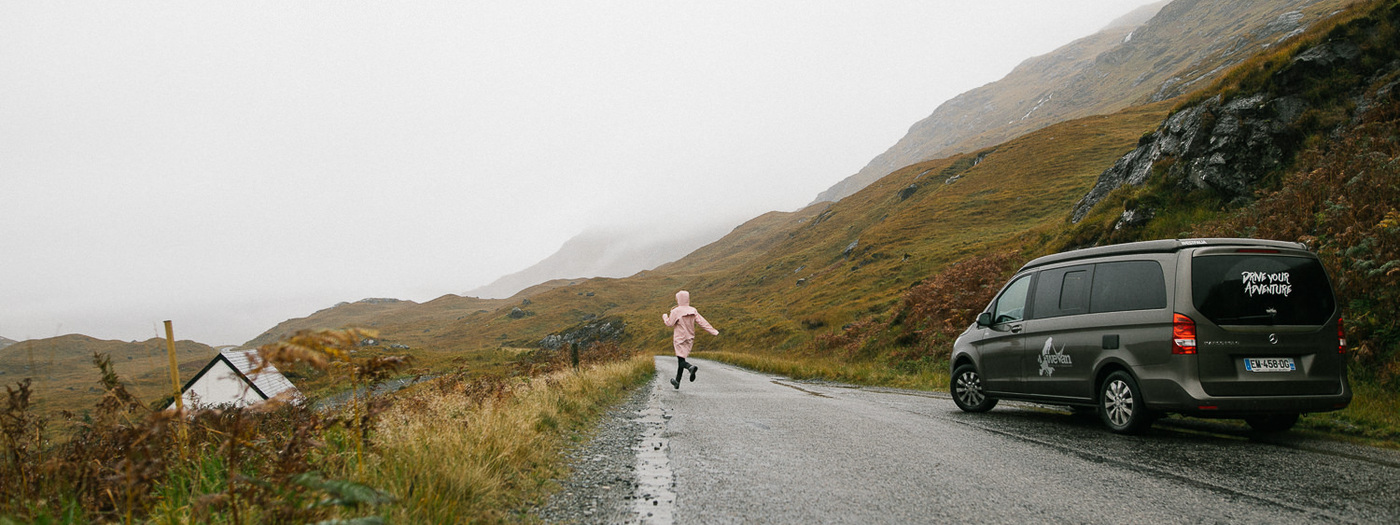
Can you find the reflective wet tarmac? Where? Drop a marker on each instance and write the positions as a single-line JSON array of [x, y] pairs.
[[746, 447]]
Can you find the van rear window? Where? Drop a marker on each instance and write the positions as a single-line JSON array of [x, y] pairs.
[[1261, 290]]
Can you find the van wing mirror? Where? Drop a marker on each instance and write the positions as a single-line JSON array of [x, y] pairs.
[[984, 319]]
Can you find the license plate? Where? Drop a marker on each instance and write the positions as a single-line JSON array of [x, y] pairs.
[[1269, 364]]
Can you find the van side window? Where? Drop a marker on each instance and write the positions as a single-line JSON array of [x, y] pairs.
[[1072, 296], [1129, 285], [1011, 306], [1062, 291]]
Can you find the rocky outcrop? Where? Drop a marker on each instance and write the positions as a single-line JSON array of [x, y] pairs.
[[581, 336], [1224, 146], [1229, 145]]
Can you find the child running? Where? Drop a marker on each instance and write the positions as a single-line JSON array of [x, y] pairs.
[[683, 318]]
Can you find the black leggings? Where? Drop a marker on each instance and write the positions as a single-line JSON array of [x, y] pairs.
[[681, 367]]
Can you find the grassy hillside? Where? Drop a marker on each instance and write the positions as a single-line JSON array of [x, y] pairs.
[[858, 255], [782, 278], [65, 378]]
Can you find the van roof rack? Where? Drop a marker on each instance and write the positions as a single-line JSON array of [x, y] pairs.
[[1158, 246]]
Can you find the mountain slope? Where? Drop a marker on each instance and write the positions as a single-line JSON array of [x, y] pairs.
[[601, 253], [1185, 45], [371, 313], [780, 278]]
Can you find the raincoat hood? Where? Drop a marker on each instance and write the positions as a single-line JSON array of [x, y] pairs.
[[682, 309]]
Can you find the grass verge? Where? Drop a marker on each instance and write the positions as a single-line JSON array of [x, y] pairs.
[[921, 375], [451, 456], [1373, 417]]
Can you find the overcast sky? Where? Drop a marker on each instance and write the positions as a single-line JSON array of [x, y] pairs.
[[229, 165]]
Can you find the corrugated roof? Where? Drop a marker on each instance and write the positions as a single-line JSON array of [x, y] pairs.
[[269, 381]]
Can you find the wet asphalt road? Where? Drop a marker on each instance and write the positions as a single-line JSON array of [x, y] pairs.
[[745, 447]]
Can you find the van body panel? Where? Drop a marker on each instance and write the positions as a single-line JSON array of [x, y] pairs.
[[1062, 358], [1058, 360], [1171, 396], [1000, 351], [1001, 345], [1265, 323]]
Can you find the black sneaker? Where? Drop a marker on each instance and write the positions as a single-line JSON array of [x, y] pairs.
[[693, 368], [676, 384]]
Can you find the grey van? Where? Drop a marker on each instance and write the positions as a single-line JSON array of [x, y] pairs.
[[1225, 328]]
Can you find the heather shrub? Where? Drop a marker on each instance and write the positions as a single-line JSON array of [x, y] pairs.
[[934, 312], [921, 328]]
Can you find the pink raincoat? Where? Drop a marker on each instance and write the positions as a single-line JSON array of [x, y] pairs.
[[683, 319]]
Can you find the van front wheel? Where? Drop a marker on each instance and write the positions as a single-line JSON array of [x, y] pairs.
[[1121, 406], [967, 390]]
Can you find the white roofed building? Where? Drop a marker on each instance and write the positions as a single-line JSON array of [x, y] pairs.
[[228, 380]]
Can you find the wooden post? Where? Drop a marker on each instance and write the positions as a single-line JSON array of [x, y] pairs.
[[181, 439], [174, 367], [573, 355]]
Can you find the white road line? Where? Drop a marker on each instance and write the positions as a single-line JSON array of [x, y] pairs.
[[655, 499]]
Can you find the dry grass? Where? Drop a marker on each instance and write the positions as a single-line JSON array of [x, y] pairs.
[[456, 456], [926, 376], [63, 378], [461, 448]]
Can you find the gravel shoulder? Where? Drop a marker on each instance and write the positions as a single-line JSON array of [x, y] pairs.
[[602, 484]]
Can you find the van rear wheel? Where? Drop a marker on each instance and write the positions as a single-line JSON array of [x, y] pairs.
[[1272, 423], [967, 390], [1121, 406]]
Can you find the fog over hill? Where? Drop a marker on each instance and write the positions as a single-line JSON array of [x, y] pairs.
[[608, 252], [1155, 53]]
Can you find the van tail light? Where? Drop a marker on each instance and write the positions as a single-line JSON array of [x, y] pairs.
[[1183, 335], [1341, 337]]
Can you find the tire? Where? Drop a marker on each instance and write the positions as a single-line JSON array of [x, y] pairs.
[[1272, 423], [967, 391], [1121, 406]]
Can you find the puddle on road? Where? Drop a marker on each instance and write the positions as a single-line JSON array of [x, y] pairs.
[[655, 499]]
